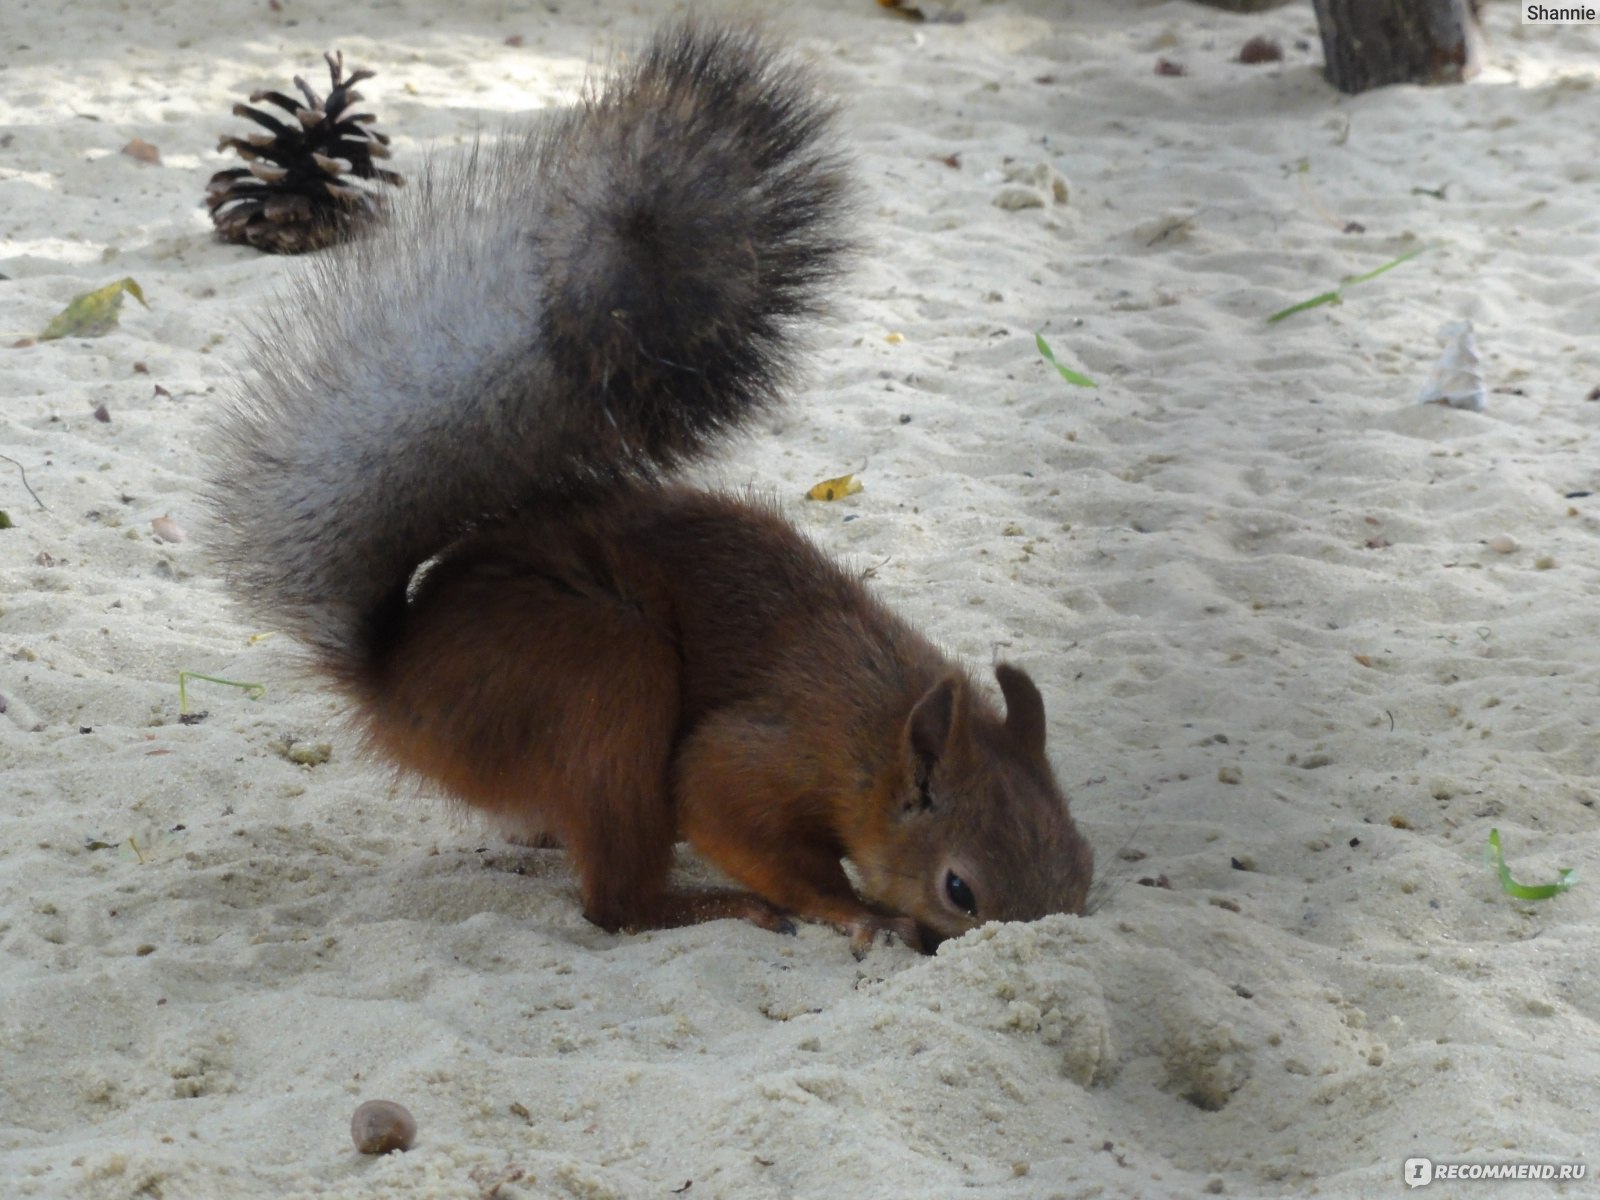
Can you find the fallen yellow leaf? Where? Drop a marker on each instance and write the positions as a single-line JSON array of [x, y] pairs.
[[93, 314], [834, 489]]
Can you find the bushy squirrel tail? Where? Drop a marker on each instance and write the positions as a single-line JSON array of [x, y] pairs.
[[591, 302]]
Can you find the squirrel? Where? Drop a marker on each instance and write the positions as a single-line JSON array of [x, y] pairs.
[[453, 475]]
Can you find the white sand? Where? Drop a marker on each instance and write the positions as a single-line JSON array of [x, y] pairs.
[[1249, 555]]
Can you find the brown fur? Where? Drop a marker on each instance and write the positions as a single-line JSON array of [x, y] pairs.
[[681, 664], [450, 477]]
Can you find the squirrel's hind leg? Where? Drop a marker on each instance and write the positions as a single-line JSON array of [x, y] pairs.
[[561, 721]]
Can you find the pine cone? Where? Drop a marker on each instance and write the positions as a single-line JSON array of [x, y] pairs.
[[299, 191]]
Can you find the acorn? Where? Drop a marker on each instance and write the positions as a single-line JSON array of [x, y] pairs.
[[311, 179]]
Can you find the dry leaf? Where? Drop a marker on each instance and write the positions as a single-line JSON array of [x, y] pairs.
[[93, 314], [834, 489]]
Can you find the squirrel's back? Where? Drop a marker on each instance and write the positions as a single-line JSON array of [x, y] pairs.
[[589, 302]]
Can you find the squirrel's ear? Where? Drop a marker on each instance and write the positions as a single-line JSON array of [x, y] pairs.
[[930, 723], [1024, 708]]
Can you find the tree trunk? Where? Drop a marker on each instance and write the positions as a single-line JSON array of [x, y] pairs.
[[1370, 43]]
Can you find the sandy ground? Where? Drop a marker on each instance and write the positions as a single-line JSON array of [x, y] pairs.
[[1287, 673]]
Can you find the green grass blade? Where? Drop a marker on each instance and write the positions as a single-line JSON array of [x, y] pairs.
[[1336, 296], [1325, 298], [1388, 266], [252, 691], [1076, 378], [1565, 877]]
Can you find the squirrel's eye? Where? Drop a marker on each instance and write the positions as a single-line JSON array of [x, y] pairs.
[[960, 894]]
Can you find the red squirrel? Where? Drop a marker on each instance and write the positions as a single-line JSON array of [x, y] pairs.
[[450, 474]]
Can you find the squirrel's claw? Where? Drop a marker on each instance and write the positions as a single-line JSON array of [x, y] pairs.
[[864, 933]]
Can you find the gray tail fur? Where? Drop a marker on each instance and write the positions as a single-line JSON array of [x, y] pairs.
[[592, 301]]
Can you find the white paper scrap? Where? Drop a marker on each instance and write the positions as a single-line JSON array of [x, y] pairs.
[[1457, 378]]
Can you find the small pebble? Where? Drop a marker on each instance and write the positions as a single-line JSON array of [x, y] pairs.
[[309, 754], [1502, 543], [143, 151], [1032, 185], [1260, 50], [168, 530], [382, 1127], [1015, 199]]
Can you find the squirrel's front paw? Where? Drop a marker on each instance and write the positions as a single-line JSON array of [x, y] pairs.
[[770, 917], [864, 933]]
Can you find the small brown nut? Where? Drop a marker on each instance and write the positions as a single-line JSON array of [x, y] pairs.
[[1260, 50], [382, 1126]]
